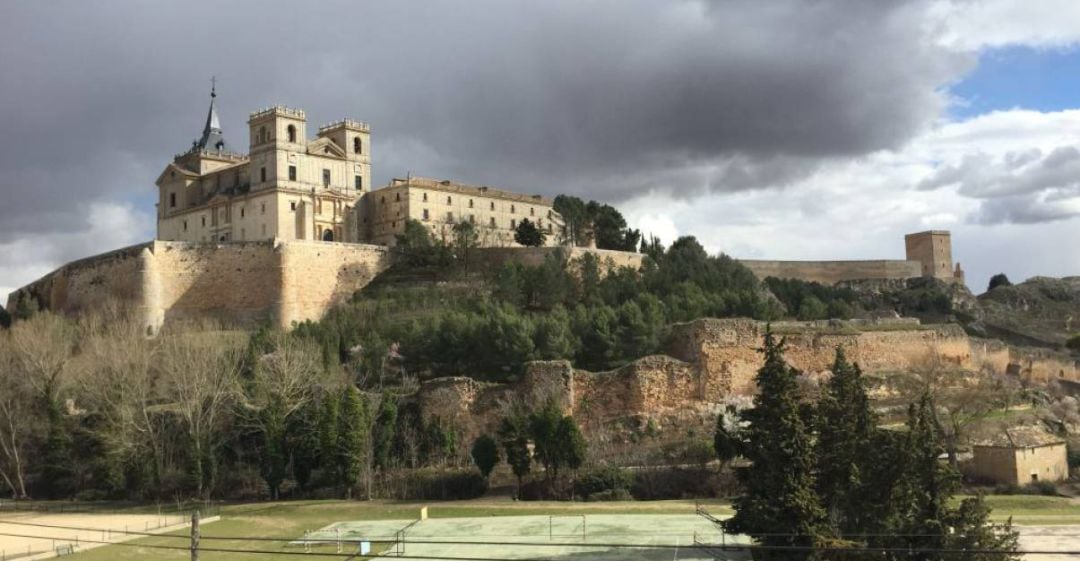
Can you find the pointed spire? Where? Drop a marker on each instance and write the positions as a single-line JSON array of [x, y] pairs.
[[212, 138]]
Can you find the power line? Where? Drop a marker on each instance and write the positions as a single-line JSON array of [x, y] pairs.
[[747, 547], [388, 537]]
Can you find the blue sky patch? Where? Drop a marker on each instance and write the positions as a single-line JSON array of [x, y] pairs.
[[1020, 77]]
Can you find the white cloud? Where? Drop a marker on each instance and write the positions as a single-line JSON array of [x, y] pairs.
[[980, 24], [107, 226], [860, 209]]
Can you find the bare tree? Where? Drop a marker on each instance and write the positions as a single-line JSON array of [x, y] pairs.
[[117, 382], [962, 398], [43, 346], [16, 421], [200, 371]]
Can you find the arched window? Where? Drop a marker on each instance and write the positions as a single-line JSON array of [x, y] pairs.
[[357, 146], [328, 235], [262, 134], [291, 133]]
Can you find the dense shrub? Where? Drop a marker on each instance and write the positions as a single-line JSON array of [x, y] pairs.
[[437, 485], [1045, 488], [603, 481], [674, 483], [998, 280], [1073, 344]]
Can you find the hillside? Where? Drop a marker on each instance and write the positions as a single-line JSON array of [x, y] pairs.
[[1040, 311]]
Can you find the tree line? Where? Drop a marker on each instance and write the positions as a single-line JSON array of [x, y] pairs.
[[94, 409], [824, 474]]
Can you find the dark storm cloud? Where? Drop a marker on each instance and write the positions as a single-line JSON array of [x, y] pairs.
[[604, 98]]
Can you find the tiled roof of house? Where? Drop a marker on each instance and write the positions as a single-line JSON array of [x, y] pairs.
[[1021, 437]]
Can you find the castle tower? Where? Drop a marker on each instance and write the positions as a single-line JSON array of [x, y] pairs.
[[276, 134], [354, 137], [933, 250]]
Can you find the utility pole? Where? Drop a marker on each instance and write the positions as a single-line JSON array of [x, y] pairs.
[[195, 536]]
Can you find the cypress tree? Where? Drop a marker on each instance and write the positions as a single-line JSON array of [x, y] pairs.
[[383, 431], [327, 433], [846, 427], [779, 506], [352, 439]]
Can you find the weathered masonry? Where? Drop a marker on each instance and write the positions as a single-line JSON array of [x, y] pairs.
[[929, 254], [237, 283]]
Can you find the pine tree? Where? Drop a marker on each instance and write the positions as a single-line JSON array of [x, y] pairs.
[[514, 435], [779, 506], [846, 427], [528, 235]]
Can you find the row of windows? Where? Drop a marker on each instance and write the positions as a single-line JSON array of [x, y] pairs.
[[290, 133], [450, 201], [492, 223], [222, 213]]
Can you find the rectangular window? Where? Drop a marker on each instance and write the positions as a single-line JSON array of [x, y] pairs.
[[449, 201], [492, 206], [513, 224], [241, 212], [425, 197], [358, 182], [185, 225], [492, 221], [262, 175], [472, 219], [292, 205], [264, 208], [204, 221], [292, 173], [425, 214], [532, 211], [172, 200], [450, 217], [470, 203], [325, 178]]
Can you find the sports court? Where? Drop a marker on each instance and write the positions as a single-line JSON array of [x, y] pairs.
[[593, 537], [28, 533]]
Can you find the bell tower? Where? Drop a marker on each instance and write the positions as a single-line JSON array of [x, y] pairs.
[[275, 134]]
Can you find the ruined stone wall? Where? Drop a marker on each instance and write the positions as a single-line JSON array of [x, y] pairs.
[[832, 272], [237, 282], [534, 256]]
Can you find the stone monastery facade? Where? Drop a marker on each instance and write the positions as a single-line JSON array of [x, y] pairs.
[[292, 228], [290, 187]]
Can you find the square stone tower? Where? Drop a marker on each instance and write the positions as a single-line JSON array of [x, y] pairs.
[[933, 250]]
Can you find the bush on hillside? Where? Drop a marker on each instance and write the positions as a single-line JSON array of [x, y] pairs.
[[998, 280], [605, 481]]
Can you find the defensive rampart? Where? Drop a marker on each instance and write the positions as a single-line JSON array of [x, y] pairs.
[[237, 282], [534, 256], [832, 272], [712, 363]]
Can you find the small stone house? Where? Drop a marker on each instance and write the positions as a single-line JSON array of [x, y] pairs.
[[1020, 456]]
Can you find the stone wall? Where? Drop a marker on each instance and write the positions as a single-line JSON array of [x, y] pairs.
[[832, 272], [237, 283], [534, 256]]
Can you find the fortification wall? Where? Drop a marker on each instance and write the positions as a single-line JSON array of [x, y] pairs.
[[237, 282], [81, 285], [317, 275], [832, 272], [534, 256]]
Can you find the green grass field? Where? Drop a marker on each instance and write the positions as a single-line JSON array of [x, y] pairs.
[[289, 521]]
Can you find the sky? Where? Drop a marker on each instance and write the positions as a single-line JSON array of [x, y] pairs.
[[788, 129]]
